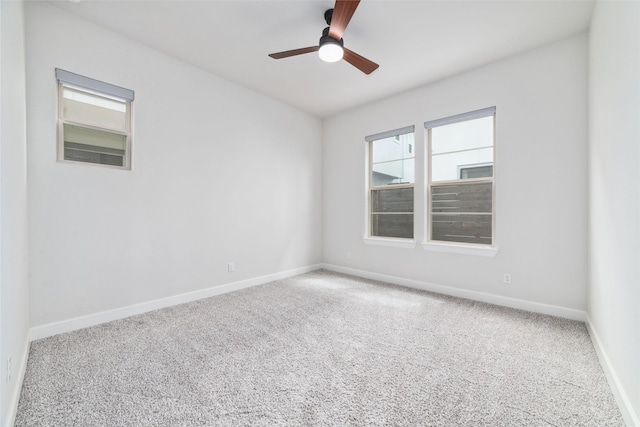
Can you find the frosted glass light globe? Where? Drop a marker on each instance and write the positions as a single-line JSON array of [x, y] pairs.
[[330, 52]]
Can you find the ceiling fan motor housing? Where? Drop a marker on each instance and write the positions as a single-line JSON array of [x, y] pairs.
[[327, 39]]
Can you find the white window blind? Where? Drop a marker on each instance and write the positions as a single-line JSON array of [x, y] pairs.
[[73, 79]]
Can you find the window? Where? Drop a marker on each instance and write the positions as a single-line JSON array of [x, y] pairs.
[[475, 171], [391, 182], [460, 184], [94, 121]]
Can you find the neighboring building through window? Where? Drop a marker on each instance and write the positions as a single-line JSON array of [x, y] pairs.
[[460, 184], [94, 121], [391, 183]]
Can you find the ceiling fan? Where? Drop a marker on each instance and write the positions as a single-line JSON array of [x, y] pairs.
[[331, 47]]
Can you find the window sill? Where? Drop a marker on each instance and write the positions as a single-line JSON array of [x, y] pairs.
[[487, 251], [390, 241]]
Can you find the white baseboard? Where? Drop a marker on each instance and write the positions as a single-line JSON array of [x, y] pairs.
[[74, 324], [553, 310], [631, 418], [14, 394]]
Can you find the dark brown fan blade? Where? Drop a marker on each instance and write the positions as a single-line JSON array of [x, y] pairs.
[[294, 52], [360, 62], [342, 13]]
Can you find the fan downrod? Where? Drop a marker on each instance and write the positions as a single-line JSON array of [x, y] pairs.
[[328, 14]]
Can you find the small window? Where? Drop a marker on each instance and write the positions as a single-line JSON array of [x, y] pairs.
[[94, 121], [475, 171], [460, 185], [391, 184]]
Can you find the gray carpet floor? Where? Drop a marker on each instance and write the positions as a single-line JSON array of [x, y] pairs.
[[321, 349]]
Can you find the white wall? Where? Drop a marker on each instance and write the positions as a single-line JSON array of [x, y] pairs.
[[14, 303], [220, 174], [614, 184], [541, 170]]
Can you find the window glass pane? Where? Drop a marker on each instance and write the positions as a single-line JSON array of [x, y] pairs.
[[462, 198], [393, 160], [392, 212], [82, 155], [396, 225], [462, 212], [468, 135], [461, 228], [393, 172], [447, 166], [90, 109], [93, 137], [392, 200]]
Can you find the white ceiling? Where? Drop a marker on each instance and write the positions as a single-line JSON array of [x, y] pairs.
[[415, 42]]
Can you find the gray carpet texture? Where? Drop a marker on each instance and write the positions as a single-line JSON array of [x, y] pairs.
[[321, 349]]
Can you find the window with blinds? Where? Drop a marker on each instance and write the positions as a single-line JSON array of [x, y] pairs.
[[460, 184], [391, 183], [94, 121]]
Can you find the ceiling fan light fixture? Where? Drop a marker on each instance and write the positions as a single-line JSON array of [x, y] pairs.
[[330, 49], [331, 46]]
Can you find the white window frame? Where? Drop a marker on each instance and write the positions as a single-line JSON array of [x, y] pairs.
[[99, 89], [459, 247], [399, 242]]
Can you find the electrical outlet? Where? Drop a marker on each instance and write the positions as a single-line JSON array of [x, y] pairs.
[[9, 370], [348, 255], [507, 278], [231, 267]]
